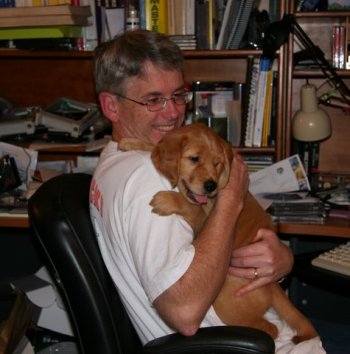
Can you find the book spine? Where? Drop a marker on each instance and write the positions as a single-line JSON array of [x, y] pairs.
[[211, 24], [142, 14], [248, 141], [274, 105], [342, 46], [234, 115], [171, 17], [260, 102], [156, 15], [190, 17], [267, 110], [89, 33], [201, 24], [179, 17], [335, 46]]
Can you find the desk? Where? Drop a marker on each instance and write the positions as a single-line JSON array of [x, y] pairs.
[[14, 221], [333, 227]]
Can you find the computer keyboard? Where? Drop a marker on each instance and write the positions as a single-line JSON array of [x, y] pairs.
[[336, 259]]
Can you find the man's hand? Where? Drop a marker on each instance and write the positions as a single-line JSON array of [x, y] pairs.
[[266, 260]]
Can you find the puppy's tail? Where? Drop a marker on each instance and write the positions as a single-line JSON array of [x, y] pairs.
[[294, 318]]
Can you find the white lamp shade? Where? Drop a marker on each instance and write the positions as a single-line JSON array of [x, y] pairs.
[[310, 123]]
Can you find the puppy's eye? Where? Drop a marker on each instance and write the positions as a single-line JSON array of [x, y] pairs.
[[194, 158]]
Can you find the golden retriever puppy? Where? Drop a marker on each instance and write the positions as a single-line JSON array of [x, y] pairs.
[[197, 161]]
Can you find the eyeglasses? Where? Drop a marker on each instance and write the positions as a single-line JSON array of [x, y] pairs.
[[158, 103]]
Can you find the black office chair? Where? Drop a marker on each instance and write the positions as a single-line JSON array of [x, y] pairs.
[[59, 215]]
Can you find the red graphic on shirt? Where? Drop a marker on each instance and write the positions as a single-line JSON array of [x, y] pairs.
[[95, 197]]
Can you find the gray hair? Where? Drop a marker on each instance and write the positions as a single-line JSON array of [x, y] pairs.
[[126, 54]]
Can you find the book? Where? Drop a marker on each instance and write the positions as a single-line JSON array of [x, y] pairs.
[[253, 87], [181, 17], [89, 33], [335, 46], [274, 107], [259, 111], [49, 20], [202, 23], [342, 48], [245, 98], [156, 15], [267, 110], [142, 14], [17, 12], [228, 13], [234, 23], [212, 23], [36, 16], [41, 32], [234, 115]]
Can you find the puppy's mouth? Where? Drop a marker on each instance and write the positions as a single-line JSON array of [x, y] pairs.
[[195, 198]]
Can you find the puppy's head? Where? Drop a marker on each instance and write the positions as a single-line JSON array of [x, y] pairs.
[[195, 159]]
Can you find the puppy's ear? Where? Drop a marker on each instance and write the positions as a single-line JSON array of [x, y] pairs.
[[166, 157], [228, 155]]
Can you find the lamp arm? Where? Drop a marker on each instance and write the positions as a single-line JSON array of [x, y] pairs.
[[319, 58], [277, 34]]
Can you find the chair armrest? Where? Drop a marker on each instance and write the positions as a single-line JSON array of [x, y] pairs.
[[221, 339]]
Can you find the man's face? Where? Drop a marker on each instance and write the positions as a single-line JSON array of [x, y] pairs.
[[136, 120]]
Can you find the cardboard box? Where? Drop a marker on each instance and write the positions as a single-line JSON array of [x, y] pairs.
[[49, 310]]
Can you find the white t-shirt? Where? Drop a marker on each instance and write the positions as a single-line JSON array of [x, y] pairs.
[[145, 253]]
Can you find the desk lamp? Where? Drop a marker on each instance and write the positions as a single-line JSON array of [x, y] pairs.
[[311, 123]]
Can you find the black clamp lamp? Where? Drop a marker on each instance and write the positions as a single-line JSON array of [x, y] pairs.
[[277, 34]]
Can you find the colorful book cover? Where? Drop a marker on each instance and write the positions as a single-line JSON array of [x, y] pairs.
[[267, 110], [265, 67], [253, 88], [156, 15]]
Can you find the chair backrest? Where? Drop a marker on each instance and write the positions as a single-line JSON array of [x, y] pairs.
[[59, 215]]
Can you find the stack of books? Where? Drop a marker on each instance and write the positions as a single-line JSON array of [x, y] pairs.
[[37, 16], [45, 27], [299, 210]]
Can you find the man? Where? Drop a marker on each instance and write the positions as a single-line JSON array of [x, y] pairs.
[[167, 280]]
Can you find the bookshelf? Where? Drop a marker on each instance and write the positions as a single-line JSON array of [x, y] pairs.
[[40, 77], [334, 157]]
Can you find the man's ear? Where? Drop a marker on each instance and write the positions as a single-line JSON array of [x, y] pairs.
[[109, 106]]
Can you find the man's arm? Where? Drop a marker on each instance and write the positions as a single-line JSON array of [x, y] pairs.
[[184, 305]]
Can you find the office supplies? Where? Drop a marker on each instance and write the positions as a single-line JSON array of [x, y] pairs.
[[69, 116], [336, 259]]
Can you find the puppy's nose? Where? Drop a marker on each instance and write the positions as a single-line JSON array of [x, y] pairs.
[[210, 186]]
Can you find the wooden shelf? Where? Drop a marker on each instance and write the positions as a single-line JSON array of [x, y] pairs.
[[317, 73], [332, 227], [324, 14], [202, 54]]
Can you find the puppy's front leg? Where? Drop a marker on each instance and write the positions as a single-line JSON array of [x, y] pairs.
[[169, 202]]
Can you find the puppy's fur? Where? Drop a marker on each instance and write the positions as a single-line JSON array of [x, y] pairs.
[[198, 161]]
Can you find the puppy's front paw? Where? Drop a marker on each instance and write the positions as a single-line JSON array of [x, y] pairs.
[[163, 203]]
